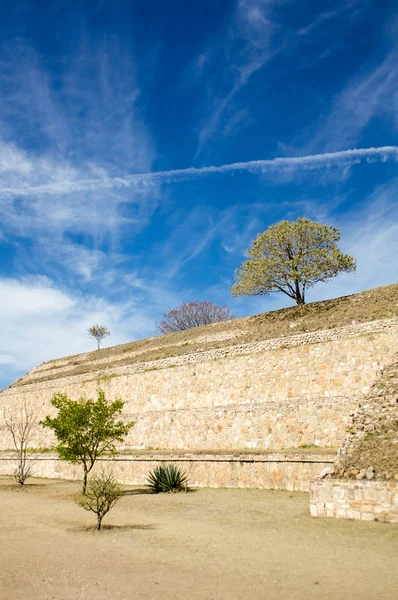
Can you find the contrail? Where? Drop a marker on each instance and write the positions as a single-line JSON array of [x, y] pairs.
[[313, 161], [74, 183]]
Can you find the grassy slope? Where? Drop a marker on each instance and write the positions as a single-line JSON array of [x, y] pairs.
[[369, 305]]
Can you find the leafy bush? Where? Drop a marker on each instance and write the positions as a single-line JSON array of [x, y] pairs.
[[86, 429], [167, 478]]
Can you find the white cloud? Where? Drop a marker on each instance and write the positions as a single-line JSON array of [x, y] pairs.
[[21, 299], [84, 127], [40, 322]]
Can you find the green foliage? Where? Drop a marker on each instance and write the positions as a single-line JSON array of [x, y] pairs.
[[86, 428], [167, 478], [98, 332], [290, 257], [101, 495]]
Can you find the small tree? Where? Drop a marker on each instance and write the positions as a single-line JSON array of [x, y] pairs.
[[290, 257], [193, 314], [101, 495], [86, 429], [20, 422], [98, 332]]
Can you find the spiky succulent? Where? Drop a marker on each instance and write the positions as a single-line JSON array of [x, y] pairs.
[[167, 478]]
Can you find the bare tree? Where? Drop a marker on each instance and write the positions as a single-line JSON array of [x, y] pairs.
[[101, 495], [20, 422], [98, 332], [193, 314]]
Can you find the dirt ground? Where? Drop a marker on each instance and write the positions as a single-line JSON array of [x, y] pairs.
[[205, 544]]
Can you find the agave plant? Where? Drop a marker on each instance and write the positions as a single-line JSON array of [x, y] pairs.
[[167, 478]]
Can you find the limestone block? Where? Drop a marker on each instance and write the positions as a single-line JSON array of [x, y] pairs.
[[367, 516]]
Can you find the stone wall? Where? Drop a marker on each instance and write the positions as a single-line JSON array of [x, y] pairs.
[[372, 438], [364, 500], [276, 394], [276, 470]]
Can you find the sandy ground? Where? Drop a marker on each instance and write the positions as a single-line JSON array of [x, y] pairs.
[[207, 544]]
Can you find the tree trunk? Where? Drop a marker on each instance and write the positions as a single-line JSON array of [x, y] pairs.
[[298, 296], [99, 521], [84, 478]]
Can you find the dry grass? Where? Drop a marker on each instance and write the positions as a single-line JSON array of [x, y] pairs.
[[378, 449], [369, 305]]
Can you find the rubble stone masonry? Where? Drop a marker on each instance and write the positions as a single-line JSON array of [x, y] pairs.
[[284, 393], [347, 499]]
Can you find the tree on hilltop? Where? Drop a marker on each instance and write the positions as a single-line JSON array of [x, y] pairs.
[[98, 332], [193, 314], [290, 257], [86, 429]]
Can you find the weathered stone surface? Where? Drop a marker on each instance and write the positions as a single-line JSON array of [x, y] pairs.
[[326, 472], [372, 434], [276, 470], [348, 499], [262, 396], [281, 393]]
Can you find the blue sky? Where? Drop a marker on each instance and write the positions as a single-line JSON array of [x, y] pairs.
[[109, 112]]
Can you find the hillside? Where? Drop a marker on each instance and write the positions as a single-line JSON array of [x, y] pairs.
[[372, 438], [369, 305]]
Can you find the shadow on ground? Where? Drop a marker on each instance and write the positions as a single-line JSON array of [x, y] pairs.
[[137, 491], [16, 487], [114, 528], [147, 490]]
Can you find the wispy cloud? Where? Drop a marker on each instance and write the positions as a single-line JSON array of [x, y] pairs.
[[371, 93], [371, 235], [257, 33], [345, 9], [245, 50], [60, 133], [69, 180]]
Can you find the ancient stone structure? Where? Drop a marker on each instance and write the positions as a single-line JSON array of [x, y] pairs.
[[363, 484], [347, 499], [189, 395], [263, 396], [372, 440], [273, 470]]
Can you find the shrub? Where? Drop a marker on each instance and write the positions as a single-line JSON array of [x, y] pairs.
[[101, 495], [167, 478]]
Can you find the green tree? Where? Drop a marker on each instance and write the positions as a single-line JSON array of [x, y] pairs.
[[86, 429], [290, 257], [98, 332]]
